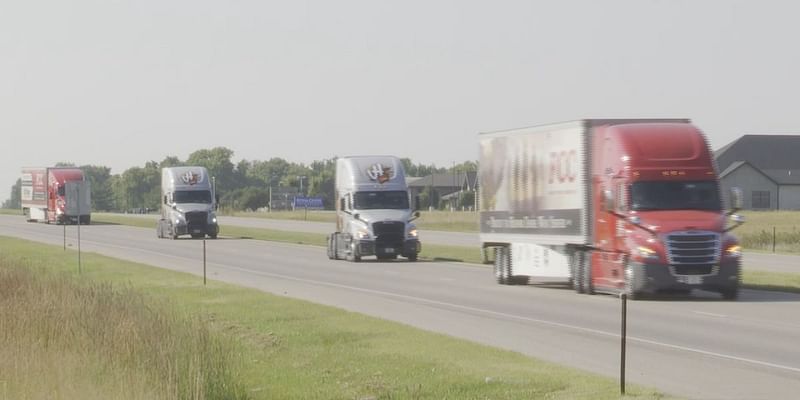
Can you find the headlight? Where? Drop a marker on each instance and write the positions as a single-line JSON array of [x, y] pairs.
[[412, 232], [177, 220], [214, 220], [646, 252], [733, 250], [362, 234]]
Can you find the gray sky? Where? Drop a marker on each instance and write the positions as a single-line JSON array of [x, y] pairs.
[[119, 83]]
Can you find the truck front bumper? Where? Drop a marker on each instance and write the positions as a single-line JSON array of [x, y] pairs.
[[651, 278], [208, 229], [371, 248]]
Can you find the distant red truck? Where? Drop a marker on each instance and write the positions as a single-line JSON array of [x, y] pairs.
[[618, 206], [59, 195]]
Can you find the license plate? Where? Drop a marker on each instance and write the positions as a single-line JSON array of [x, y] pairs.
[[691, 279], [389, 250], [197, 231]]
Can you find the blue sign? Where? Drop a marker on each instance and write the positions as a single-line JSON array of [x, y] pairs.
[[314, 203]]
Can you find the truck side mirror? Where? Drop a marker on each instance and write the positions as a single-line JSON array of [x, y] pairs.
[[416, 202], [165, 199], [341, 204], [736, 199]]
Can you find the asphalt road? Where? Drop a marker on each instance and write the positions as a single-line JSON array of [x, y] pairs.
[[752, 260], [696, 347]]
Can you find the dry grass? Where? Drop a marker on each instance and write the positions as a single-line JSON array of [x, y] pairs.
[[66, 340]]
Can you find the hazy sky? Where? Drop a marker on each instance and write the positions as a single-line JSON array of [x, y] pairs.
[[121, 82]]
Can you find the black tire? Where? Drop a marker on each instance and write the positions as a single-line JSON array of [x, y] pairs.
[[586, 274], [514, 279], [335, 251], [499, 265], [577, 271], [330, 247], [631, 282], [412, 257], [213, 236], [731, 293]]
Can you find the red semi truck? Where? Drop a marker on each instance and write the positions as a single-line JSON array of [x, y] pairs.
[[58, 195], [619, 206]]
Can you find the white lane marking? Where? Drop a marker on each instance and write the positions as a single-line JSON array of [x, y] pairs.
[[482, 311], [708, 314]]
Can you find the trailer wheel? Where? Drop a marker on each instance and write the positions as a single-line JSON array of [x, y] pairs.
[[499, 269], [512, 279]]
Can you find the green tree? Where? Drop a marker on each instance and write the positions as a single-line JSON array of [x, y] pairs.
[[171, 161], [14, 201], [219, 165], [99, 177]]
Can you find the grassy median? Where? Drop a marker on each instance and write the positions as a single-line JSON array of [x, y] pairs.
[[128, 331]]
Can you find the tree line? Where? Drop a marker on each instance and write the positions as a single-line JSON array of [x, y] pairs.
[[245, 185]]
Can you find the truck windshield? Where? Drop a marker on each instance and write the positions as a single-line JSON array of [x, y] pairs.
[[395, 199], [660, 195], [192, 196]]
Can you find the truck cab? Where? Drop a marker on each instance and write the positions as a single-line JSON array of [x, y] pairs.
[[188, 204], [374, 211], [660, 223]]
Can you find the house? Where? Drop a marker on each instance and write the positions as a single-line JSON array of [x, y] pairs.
[[448, 187], [765, 167]]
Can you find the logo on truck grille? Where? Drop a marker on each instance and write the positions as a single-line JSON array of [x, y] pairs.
[[377, 172]]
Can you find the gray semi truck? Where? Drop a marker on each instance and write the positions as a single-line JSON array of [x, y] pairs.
[[188, 203], [374, 210]]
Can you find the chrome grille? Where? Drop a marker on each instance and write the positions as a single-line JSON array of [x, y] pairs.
[[196, 220], [693, 248], [389, 232]]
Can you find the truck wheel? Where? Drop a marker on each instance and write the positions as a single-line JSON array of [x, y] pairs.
[[730, 293], [159, 232], [412, 257], [586, 268], [631, 283], [576, 269], [335, 241]]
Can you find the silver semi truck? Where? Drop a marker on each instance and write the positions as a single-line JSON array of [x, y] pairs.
[[374, 210], [188, 203]]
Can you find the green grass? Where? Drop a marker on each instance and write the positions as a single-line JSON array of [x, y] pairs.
[[291, 349], [431, 220], [10, 211], [757, 232], [84, 339]]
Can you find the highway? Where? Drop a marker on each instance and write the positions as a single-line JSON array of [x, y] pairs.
[[756, 261], [697, 347]]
